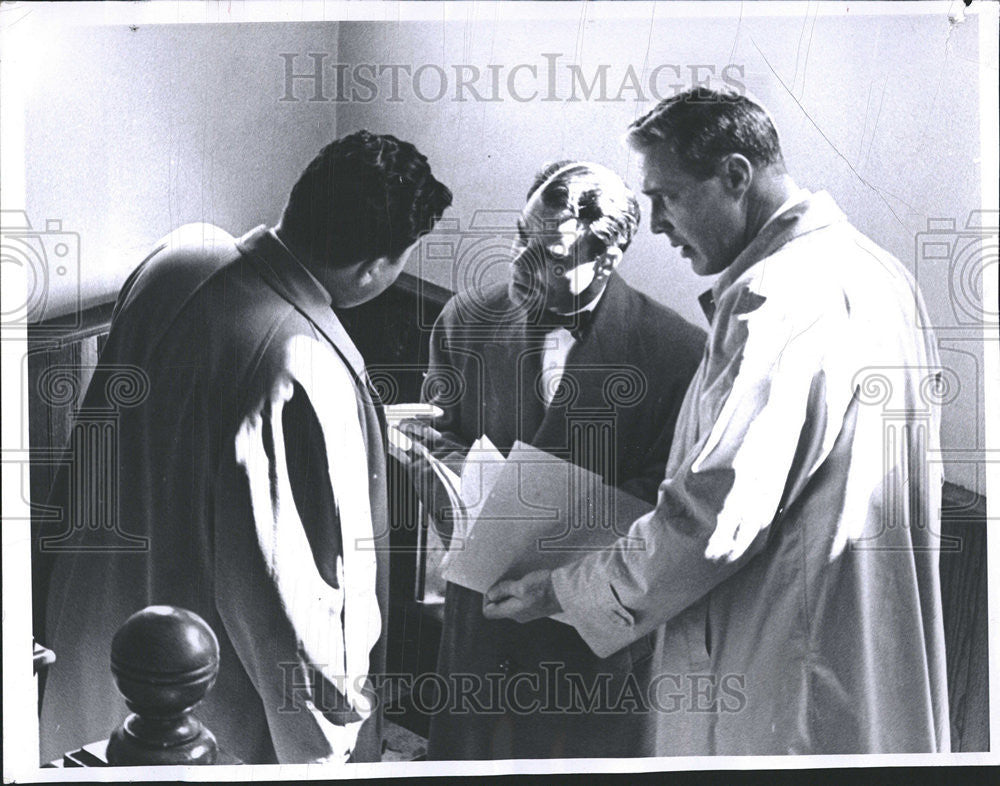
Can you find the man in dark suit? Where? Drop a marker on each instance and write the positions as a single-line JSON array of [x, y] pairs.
[[250, 469], [570, 359]]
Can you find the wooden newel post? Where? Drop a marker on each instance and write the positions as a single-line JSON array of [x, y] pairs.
[[164, 660]]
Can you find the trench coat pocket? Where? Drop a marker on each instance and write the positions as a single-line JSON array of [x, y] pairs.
[[694, 624]]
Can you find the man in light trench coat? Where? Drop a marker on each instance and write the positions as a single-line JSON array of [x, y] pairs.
[[792, 558]]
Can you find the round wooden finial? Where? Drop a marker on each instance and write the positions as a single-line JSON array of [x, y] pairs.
[[164, 660]]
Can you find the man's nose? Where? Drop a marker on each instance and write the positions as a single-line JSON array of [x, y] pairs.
[[660, 224]]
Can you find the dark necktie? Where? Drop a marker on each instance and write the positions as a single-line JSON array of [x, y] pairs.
[[577, 324], [707, 301]]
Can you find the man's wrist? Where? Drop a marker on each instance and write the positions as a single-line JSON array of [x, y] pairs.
[[550, 597], [559, 584]]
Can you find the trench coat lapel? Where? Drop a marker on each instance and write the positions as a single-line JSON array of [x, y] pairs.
[[294, 283]]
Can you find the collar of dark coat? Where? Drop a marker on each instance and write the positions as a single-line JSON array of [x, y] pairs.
[[609, 329], [608, 341], [607, 337], [815, 212], [286, 275]]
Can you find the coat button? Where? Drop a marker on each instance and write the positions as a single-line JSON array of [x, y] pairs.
[[504, 666]]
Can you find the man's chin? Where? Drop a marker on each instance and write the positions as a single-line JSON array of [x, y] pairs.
[[699, 264]]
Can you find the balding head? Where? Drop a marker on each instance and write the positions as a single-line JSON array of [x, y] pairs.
[[578, 220], [594, 194]]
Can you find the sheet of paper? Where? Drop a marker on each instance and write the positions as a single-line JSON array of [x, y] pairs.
[[543, 512], [483, 465]]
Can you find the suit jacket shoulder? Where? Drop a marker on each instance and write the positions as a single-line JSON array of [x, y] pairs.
[[655, 331], [490, 306]]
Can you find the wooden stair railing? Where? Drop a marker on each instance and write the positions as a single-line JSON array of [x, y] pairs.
[[164, 660]]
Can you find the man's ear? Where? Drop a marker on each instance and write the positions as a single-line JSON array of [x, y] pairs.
[[368, 270], [736, 172], [607, 262]]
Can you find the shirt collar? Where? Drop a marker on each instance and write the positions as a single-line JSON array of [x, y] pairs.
[[801, 213], [578, 322], [815, 211], [800, 195]]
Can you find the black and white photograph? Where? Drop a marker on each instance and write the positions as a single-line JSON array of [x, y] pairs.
[[455, 388]]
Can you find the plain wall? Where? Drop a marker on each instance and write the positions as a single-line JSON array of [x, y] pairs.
[[130, 133]]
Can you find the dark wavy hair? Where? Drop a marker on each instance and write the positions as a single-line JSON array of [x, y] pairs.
[[701, 125], [364, 196]]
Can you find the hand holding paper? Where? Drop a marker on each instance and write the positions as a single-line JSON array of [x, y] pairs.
[[418, 431], [518, 518], [406, 422], [522, 600], [412, 441], [452, 488], [542, 512]]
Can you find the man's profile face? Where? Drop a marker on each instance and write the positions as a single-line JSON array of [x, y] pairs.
[[386, 272], [381, 275], [699, 216], [556, 257]]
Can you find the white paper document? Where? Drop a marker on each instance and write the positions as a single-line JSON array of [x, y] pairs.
[[533, 510]]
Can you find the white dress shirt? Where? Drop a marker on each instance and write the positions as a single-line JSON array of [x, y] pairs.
[[558, 343]]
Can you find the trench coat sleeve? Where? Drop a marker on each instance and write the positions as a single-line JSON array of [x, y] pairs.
[[296, 588], [763, 393]]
